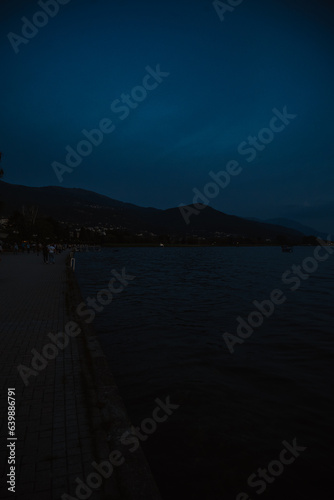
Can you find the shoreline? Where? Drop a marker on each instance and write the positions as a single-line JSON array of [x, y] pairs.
[[168, 245]]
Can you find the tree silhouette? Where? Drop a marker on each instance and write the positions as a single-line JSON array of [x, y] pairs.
[[1, 170], [1, 176]]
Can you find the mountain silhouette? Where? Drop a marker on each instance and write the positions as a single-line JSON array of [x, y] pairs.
[[87, 208]]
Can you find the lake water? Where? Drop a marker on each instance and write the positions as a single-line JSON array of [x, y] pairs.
[[163, 336]]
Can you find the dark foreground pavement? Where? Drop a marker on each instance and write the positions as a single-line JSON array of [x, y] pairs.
[[63, 409]]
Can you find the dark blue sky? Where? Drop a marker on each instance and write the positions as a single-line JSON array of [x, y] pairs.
[[225, 78]]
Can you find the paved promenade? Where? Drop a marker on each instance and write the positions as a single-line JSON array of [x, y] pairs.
[[68, 410], [53, 429]]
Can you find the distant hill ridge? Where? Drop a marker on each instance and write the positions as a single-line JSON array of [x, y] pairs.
[[306, 230], [87, 208]]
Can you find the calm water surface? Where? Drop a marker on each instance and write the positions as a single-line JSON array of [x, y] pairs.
[[163, 337]]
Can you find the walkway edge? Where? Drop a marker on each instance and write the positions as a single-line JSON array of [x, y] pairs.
[[133, 480]]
